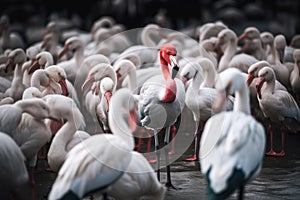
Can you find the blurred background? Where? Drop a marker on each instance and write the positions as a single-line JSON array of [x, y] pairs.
[[276, 16]]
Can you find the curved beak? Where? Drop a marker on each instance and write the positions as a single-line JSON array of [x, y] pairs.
[[34, 66], [88, 82], [118, 74], [63, 51], [184, 80], [242, 37], [107, 96], [250, 78], [64, 87], [258, 85], [174, 66], [9, 63]]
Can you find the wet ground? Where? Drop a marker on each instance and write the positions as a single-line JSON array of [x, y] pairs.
[[279, 178]]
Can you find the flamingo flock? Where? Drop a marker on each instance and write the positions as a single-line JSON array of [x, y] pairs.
[[76, 98]]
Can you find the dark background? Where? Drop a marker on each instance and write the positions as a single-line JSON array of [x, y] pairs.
[[277, 16]]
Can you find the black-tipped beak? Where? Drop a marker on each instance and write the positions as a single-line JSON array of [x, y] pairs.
[[175, 70], [174, 66]]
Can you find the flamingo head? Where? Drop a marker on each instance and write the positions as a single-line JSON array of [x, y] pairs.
[[167, 56], [266, 74], [16, 56], [57, 74], [34, 66], [106, 87], [250, 33]]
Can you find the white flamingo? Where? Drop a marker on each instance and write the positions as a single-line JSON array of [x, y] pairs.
[[295, 75], [277, 105], [200, 99], [253, 34], [229, 59], [232, 144], [63, 108], [11, 114], [162, 101], [16, 58], [282, 70], [73, 65], [113, 168], [267, 39], [13, 174], [9, 40], [105, 89], [91, 101]]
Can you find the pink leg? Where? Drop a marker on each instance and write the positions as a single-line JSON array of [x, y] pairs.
[[31, 176], [197, 145], [282, 153], [149, 149], [173, 129], [271, 152]]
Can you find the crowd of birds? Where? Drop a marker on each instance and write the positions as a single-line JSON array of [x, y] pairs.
[[121, 79]]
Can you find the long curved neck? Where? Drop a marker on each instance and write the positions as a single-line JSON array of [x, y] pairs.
[[269, 87], [196, 82], [79, 56], [228, 55], [62, 137], [242, 100], [120, 127], [146, 39], [18, 75], [26, 105], [49, 60], [169, 94], [132, 79], [5, 38], [205, 53], [209, 77]]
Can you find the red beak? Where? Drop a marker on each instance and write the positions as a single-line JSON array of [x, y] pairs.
[[63, 52], [118, 74], [107, 96], [184, 80], [34, 66], [64, 87], [242, 37], [250, 78], [259, 84], [9, 63], [88, 82]]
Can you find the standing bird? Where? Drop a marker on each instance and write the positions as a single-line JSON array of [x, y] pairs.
[[106, 163], [233, 143], [73, 65], [200, 99], [16, 58], [162, 101], [277, 105], [13, 173], [229, 59], [9, 40], [295, 76], [11, 115], [63, 108]]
